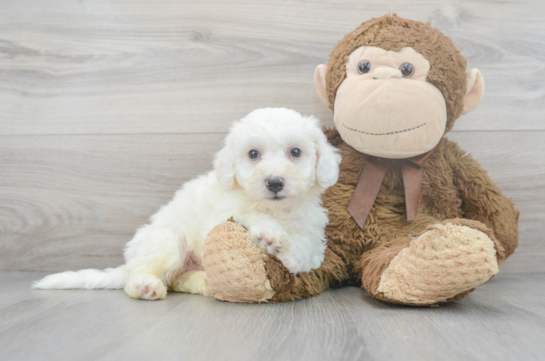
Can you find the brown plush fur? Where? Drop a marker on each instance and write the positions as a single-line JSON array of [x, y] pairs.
[[289, 287], [455, 189], [373, 263]]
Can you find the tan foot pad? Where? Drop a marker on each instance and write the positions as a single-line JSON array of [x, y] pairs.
[[235, 265], [443, 262]]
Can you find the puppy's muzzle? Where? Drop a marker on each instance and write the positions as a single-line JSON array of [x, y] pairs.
[[274, 184]]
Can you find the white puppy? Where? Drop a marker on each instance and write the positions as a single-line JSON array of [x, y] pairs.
[[269, 177]]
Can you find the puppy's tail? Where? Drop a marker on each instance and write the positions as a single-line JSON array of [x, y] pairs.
[[110, 278]]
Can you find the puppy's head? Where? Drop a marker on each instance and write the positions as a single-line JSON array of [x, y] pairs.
[[276, 155]]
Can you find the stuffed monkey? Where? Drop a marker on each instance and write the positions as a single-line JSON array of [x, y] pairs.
[[413, 219]]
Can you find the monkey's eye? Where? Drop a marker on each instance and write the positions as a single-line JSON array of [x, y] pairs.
[[407, 69], [364, 66], [296, 152], [253, 154]]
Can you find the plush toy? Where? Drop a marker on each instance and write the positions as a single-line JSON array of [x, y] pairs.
[[413, 219]]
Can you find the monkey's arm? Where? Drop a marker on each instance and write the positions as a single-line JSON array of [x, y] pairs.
[[482, 199], [237, 270]]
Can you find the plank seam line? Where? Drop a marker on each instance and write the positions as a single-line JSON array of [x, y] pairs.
[[212, 133]]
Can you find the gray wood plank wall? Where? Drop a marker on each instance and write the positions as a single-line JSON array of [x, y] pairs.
[[107, 107]]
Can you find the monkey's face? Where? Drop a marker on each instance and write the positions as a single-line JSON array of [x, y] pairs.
[[384, 107], [395, 86]]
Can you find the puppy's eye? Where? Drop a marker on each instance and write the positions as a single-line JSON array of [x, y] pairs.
[[253, 154], [364, 66], [295, 152], [407, 69]]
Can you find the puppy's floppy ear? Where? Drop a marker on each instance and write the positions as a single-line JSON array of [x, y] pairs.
[[328, 160], [224, 166]]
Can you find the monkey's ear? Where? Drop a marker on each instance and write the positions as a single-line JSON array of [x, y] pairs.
[[474, 90], [319, 81]]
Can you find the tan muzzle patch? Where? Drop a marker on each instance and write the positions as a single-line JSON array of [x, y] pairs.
[[390, 118]]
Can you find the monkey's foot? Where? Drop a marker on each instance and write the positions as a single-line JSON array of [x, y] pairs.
[[235, 265], [447, 261]]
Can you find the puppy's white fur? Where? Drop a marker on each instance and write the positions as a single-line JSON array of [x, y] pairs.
[[289, 224]]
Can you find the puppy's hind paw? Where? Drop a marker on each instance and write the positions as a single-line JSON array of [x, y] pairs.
[[146, 287]]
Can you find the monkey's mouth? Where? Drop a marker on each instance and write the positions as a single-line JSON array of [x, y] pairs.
[[389, 133]]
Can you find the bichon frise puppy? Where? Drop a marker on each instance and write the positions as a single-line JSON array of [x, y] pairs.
[[269, 177]]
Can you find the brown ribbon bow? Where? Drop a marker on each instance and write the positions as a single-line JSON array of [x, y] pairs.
[[371, 179]]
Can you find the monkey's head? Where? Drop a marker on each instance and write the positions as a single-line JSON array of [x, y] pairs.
[[396, 86]]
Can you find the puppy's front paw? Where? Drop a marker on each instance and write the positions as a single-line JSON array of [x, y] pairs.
[[146, 287], [270, 236], [293, 261]]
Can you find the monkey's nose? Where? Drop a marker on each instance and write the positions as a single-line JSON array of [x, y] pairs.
[[274, 184], [386, 73]]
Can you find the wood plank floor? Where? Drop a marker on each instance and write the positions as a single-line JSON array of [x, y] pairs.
[[502, 320]]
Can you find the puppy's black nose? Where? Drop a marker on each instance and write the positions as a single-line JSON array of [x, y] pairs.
[[274, 184]]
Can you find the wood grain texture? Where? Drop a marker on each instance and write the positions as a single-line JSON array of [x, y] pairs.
[[107, 107], [503, 320], [126, 66], [70, 202]]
